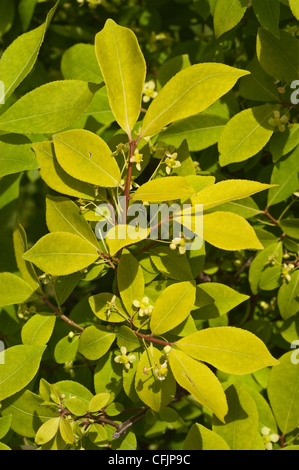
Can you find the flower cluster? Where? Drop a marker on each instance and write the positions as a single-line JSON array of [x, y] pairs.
[[171, 162], [269, 438], [279, 121], [149, 91], [144, 307], [180, 243], [137, 158], [124, 358]]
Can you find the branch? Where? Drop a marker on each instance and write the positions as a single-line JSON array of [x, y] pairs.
[[151, 339], [60, 314]]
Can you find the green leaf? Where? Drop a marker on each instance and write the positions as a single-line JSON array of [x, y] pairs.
[[13, 290], [5, 424], [127, 338], [95, 342], [172, 307], [258, 86], [284, 142], [21, 365], [200, 381], [241, 423], [26, 10], [76, 406], [123, 68], [286, 175], [19, 58], [246, 134], [55, 177], [108, 307], [229, 349], [171, 263], [222, 299], [201, 438], [273, 252], [20, 247], [98, 402], [201, 131], [295, 8], [130, 281], [16, 158], [61, 253], [268, 12], [229, 231], [66, 430], [72, 389], [79, 62], [49, 108], [246, 208], [86, 156], [228, 13], [290, 227], [288, 297], [226, 191], [153, 392], [169, 188], [27, 412], [47, 431], [122, 235], [7, 16], [98, 435], [38, 329], [189, 92], [63, 215], [283, 393], [108, 376], [278, 57], [66, 349]]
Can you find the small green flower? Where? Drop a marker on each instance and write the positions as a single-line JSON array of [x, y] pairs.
[[279, 121], [125, 359], [149, 91], [171, 162], [144, 307], [137, 158], [161, 372], [269, 438], [180, 243]]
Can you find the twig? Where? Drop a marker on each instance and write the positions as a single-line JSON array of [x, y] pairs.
[[61, 315], [151, 339], [123, 428]]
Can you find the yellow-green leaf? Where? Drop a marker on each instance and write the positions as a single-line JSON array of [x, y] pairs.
[[232, 350], [189, 92], [95, 342], [164, 189], [122, 235], [66, 431], [241, 423], [13, 290], [55, 177], [201, 438], [61, 253], [229, 231], [86, 156], [130, 281], [228, 13], [98, 402], [38, 329], [172, 307], [108, 307], [226, 191], [294, 5], [246, 134], [47, 431], [63, 215], [123, 68], [278, 57], [200, 381], [20, 246], [153, 392], [21, 365]]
